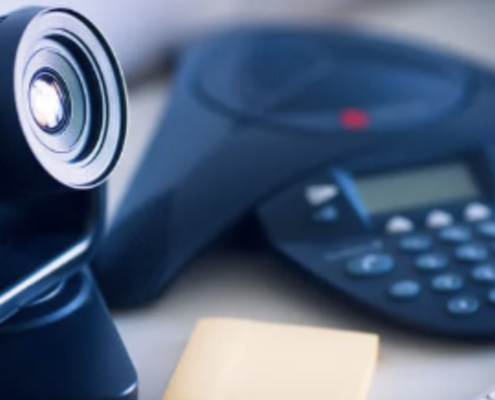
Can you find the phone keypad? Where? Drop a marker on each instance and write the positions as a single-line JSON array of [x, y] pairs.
[[447, 258], [432, 269]]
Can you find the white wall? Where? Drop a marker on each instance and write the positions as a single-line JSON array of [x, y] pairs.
[[140, 29]]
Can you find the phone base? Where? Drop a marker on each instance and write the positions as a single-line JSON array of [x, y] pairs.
[[65, 347]]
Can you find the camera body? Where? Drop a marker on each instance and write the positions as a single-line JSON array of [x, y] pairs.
[[62, 129]]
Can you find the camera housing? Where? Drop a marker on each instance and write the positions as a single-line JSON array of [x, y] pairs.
[[63, 122]]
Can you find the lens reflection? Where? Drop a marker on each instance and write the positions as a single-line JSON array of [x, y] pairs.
[[49, 102]]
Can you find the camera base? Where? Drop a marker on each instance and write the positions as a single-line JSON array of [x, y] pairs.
[[65, 347]]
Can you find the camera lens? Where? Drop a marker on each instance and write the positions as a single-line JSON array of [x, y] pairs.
[[49, 102], [71, 98], [63, 105]]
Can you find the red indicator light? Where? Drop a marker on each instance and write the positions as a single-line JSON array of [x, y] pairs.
[[354, 118]]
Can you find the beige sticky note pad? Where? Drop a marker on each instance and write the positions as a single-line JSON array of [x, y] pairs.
[[244, 360]]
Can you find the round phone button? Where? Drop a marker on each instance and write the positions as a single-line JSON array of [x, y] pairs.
[[477, 212], [371, 265], [404, 290], [472, 253], [439, 219], [487, 229], [463, 305], [455, 234], [484, 274], [447, 283], [431, 262], [399, 224], [415, 243]]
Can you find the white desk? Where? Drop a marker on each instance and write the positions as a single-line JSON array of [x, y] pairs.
[[260, 287]]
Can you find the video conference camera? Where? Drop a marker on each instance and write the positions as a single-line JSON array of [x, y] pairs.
[[62, 128]]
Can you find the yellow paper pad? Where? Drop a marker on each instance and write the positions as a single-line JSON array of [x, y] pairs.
[[245, 360]]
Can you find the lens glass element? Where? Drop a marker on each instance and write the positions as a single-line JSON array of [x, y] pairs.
[[49, 102]]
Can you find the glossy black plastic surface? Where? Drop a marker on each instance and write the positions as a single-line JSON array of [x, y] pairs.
[[42, 239], [65, 348]]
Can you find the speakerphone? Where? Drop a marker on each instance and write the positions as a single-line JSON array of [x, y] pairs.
[[367, 164]]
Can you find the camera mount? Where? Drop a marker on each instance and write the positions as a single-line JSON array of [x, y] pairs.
[[61, 344], [65, 347]]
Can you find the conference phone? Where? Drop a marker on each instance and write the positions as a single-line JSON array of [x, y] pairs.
[[366, 163]]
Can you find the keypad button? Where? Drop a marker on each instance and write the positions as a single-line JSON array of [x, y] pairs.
[[455, 234], [463, 305], [484, 274], [491, 296], [371, 265], [431, 262], [447, 283], [326, 215], [415, 243], [477, 212], [404, 290], [487, 229], [319, 194], [472, 253], [439, 219], [398, 225]]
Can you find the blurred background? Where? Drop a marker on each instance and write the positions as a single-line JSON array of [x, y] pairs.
[[145, 32]]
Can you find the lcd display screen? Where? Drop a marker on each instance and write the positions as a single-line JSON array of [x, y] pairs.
[[416, 188]]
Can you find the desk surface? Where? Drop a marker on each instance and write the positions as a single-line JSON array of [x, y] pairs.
[[259, 287]]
